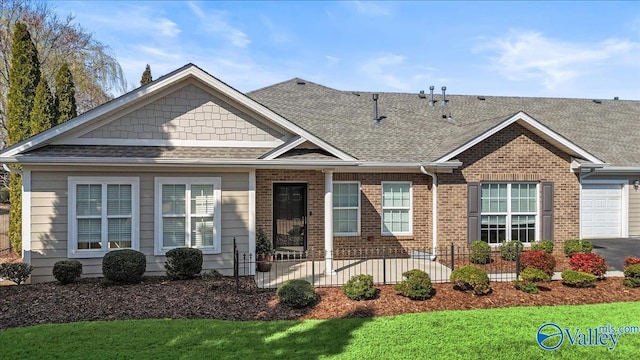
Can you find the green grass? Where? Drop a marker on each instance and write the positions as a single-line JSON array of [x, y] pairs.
[[489, 334]]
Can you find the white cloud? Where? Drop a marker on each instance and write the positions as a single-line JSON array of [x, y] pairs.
[[215, 23], [370, 8], [146, 22], [154, 51], [332, 60], [380, 69], [531, 56]]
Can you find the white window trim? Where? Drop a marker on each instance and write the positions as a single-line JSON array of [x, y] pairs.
[[357, 233], [382, 208], [216, 182], [509, 214], [72, 223]]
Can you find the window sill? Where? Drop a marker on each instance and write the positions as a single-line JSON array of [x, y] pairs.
[[205, 251]]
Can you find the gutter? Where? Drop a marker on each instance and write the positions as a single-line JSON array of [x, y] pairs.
[[434, 211]]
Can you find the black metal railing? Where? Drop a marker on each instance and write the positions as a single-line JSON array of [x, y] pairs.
[[385, 264], [5, 241]]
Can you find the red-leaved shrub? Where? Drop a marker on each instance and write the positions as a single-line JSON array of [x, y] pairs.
[[631, 260], [539, 260], [591, 263]]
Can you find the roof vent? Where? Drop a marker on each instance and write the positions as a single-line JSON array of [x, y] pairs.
[[301, 82], [355, 93], [616, 98], [431, 102], [482, 98], [444, 99], [376, 118], [422, 95], [597, 101]]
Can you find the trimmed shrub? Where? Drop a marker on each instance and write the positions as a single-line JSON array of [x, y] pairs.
[[532, 274], [212, 274], [16, 272], [471, 279], [4, 195], [360, 287], [529, 277], [538, 260], [631, 260], [510, 249], [544, 245], [183, 263], [480, 252], [296, 293], [574, 246], [632, 276], [67, 271], [590, 263], [416, 285], [578, 279], [124, 266]]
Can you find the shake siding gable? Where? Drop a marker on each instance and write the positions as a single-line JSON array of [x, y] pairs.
[[511, 155], [187, 114], [50, 209]]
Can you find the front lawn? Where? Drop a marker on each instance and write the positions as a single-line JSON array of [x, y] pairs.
[[505, 333]]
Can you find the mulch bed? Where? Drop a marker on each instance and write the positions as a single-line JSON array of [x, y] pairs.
[[96, 299]]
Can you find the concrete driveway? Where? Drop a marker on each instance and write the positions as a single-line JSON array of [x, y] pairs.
[[615, 250]]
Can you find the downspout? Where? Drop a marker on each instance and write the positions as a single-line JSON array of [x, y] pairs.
[[434, 210]]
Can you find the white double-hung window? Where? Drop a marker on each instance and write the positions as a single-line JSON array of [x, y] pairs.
[[187, 214], [509, 211], [396, 208], [103, 215], [346, 208]]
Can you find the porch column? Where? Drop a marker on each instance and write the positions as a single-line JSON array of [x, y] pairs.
[[328, 221]]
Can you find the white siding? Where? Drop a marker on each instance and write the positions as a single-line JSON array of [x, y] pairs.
[[49, 219]]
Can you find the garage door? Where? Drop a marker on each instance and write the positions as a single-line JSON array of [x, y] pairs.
[[601, 210]]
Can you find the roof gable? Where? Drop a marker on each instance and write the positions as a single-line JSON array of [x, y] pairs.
[[534, 126], [93, 120]]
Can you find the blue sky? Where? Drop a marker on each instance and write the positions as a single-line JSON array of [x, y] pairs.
[[541, 49]]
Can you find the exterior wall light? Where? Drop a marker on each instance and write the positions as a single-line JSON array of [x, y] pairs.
[[636, 184]]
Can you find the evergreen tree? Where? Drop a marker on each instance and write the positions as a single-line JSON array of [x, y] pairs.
[[146, 76], [43, 115], [24, 75], [65, 101], [23, 81]]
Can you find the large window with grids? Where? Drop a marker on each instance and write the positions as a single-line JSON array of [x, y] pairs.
[[509, 211], [396, 208], [103, 215], [187, 214], [346, 208]]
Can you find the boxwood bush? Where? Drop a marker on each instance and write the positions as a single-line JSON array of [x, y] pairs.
[[416, 285], [578, 279], [124, 266], [544, 245], [67, 271], [296, 293], [589, 262], [539, 260], [574, 246], [480, 252], [16, 272], [632, 276], [183, 263], [510, 249], [360, 287], [470, 279], [529, 277]]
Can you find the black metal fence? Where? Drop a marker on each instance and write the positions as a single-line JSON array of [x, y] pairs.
[[385, 264]]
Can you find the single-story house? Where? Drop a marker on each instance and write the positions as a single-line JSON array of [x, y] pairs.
[[187, 160]]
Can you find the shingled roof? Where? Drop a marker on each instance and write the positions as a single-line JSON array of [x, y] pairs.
[[415, 131]]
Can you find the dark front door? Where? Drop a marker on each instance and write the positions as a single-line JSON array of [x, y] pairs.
[[289, 216]]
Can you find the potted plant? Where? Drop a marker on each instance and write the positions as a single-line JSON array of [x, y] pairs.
[[264, 251]]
